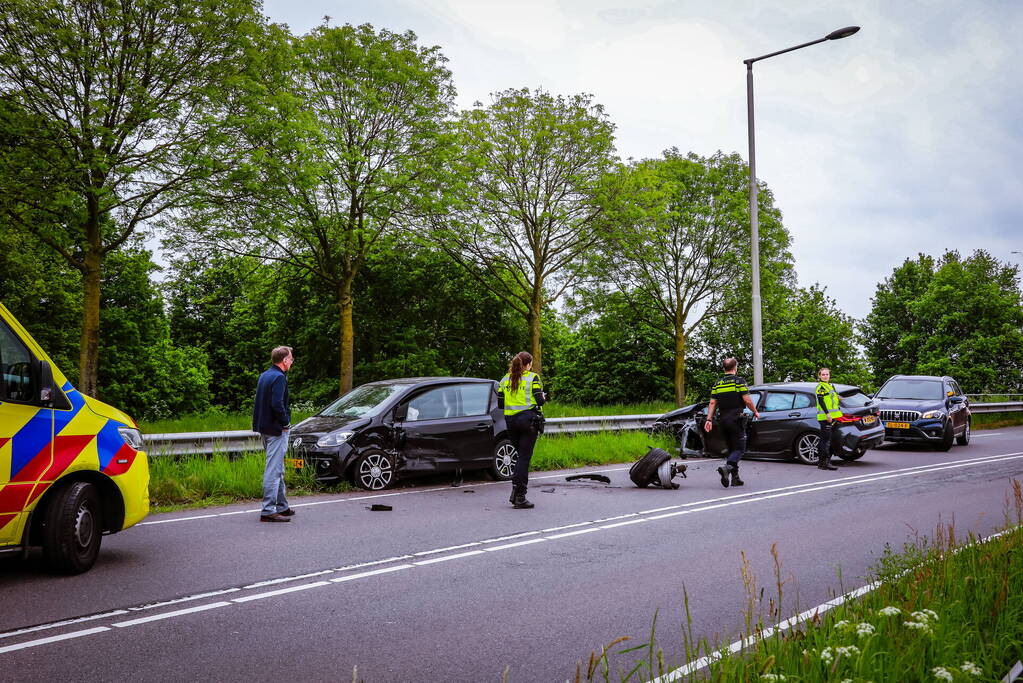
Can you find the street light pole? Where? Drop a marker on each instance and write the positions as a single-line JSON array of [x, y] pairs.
[[758, 341]]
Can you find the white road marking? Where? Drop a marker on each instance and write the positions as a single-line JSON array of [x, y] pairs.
[[66, 622], [168, 615], [280, 591], [53, 639], [579, 528]]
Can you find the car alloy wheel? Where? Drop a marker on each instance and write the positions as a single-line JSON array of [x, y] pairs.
[[807, 448], [503, 466], [374, 471]]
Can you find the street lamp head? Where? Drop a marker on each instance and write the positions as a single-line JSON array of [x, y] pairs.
[[843, 32]]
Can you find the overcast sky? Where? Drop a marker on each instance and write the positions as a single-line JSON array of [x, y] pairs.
[[903, 138]]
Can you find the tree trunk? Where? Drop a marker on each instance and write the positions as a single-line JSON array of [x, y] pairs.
[[535, 348], [88, 361], [680, 367], [347, 337]]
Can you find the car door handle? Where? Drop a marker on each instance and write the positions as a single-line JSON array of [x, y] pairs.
[[482, 427], [795, 414]]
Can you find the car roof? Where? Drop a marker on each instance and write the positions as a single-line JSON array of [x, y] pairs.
[[801, 386], [429, 380], [936, 378]]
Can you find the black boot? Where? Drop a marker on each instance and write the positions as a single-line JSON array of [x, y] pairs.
[[519, 501], [825, 463], [723, 471], [735, 476]]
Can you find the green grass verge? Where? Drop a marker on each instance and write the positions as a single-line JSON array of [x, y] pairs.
[[942, 611], [199, 481]]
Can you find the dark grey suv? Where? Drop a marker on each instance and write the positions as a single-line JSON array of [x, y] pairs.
[[924, 409]]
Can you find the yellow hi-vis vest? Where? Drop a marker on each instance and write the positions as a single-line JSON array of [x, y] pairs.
[[827, 395], [522, 399]]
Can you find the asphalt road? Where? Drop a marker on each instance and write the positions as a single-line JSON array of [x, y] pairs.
[[455, 585]]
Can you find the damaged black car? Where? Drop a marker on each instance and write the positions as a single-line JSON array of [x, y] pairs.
[[384, 431], [787, 428]]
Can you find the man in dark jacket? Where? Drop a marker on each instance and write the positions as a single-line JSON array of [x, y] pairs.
[[271, 417]]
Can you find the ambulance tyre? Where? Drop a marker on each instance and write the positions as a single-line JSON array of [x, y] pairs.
[[72, 529]]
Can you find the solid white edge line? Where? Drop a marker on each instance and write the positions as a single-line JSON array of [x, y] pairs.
[[444, 550], [58, 624], [435, 560], [515, 545], [342, 579], [705, 661], [574, 533], [280, 591], [283, 579], [168, 615], [187, 598], [53, 639], [625, 523]]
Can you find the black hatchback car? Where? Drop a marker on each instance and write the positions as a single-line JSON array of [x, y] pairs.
[[382, 431], [924, 409], [787, 427]]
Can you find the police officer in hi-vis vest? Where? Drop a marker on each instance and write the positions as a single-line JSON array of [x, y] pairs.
[[728, 397], [827, 412], [521, 394]]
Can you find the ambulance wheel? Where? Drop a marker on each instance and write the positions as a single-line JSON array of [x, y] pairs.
[[644, 471], [72, 529], [502, 467]]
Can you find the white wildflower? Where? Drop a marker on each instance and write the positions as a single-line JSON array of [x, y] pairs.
[[864, 629], [925, 616], [918, 625], [971, 668], [890, 611], [848, 650], [941, 673], [847, 680], [772, 677], [841, 624], [827, 656]]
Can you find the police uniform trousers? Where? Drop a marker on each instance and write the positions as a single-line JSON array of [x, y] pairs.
[[522, 433], [824, 447], [732, 425]]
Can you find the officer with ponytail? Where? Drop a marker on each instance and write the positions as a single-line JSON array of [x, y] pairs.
[[521, 394]]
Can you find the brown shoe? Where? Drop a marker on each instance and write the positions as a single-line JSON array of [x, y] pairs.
[[290, 512], [275, 517]]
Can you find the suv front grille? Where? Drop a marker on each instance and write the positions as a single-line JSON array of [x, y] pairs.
[[900, 415]]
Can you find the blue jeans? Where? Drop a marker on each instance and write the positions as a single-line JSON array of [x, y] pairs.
[[274, 499]]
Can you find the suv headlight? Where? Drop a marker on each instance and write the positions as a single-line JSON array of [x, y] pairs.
[[933, 413], [132, 437], [334, 439]]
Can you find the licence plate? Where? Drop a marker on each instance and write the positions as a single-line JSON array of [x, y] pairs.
[[869, 420], [297, 463], [896, 425]]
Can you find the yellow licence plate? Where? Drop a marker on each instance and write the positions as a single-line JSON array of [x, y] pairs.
[[297, 463], [896, 425], [869, 420]]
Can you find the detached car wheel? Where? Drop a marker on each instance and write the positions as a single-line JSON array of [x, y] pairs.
[[947, 438], [502, 467], [964, 438], [374, 471], [73, 529], [807, 448], [644, 470]]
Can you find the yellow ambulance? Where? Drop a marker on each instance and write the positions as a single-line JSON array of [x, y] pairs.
[[71, 468]]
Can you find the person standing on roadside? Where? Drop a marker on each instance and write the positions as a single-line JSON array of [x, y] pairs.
[[727, 398], [520, 394], [271, 417], [827, 412]]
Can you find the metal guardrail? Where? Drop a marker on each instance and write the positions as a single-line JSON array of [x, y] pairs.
[[207, 443]]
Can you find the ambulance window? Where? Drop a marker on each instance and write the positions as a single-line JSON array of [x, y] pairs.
[[16, 368]]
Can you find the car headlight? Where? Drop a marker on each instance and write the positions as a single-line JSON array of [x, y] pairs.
[[132, 437], [334, 439], [933, 413]]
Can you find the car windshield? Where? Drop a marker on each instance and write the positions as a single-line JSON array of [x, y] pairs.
[[920, 389], [364, 401]]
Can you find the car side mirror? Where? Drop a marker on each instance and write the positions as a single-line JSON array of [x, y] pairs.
[[50, 394], [956, 400], [400, 413]]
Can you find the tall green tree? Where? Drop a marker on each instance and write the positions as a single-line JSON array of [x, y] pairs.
[[524, 207], [970, 323], [677, 243], [887, 332], [105, 106], [336, 142]]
